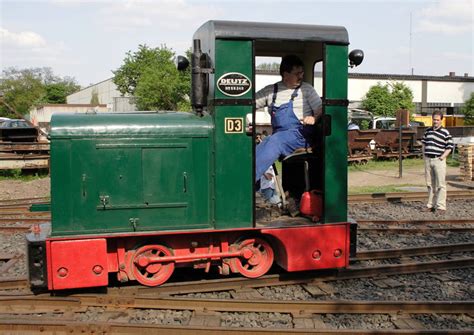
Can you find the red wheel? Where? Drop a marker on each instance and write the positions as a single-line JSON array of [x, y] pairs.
[[256, 259], [151, 274]]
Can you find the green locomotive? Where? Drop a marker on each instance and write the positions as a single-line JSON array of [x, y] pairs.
[[138, 194]]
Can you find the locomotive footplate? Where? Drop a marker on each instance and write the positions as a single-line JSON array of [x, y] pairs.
[[311, 247]]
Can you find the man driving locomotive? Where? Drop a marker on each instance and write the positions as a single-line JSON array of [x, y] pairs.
[[294, 107]]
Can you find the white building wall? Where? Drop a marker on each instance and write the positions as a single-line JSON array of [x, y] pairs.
[[106, 91], [107, 94], [451, 92], [437, 91]]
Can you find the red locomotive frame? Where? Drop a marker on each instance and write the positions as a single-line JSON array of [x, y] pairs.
[[87, 261]]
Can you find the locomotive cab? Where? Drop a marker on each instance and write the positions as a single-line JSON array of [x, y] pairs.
[[224, 85]]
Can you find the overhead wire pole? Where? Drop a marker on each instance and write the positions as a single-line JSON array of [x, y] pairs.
[[410, 67], [399, 113], [400, 156]]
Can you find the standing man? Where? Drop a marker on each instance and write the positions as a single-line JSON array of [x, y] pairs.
[[437, 144], [294, 107]]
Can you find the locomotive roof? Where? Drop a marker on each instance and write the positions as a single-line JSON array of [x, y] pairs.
[[272, 31], [157, 124]]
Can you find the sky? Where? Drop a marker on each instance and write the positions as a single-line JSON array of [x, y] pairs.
[[87, 40]]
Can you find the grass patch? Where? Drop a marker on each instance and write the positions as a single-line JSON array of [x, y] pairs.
[[390, 165], [386, 165], [379, 189], [23, 175], [452, 162]]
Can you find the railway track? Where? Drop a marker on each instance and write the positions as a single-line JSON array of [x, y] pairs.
[[203, 314], [136, 309], [400, 197], [15, 216], [24, 155], [198, 324], [20, 225], [415, 226], [23, 201], [353, 198], [207, 315], [406, 266], [117, 310]]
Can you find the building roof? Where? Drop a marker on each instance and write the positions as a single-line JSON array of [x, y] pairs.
[[72, 105], [389, 76], [411, 77]]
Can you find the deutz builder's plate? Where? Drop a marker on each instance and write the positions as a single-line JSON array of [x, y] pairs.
[[234, 84]]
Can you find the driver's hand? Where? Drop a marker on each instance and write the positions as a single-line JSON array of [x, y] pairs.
[[309, 120]]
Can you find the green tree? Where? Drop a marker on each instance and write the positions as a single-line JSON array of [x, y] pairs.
[[95, 97], [22, 89], [402, 96], [269, 67], [150, 75], [58, 89], [385, 100], [468, 110], [378, 100]]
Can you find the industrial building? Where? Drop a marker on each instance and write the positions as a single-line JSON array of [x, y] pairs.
[[428, 91], [447, 93]]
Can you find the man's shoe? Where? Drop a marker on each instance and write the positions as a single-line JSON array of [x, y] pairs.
[[440, 211], [427, 209]]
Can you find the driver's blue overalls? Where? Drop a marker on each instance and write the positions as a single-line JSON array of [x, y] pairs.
[[287, 135]]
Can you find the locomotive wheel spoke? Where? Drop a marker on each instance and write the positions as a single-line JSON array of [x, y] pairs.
[[260, 261], [156, 273]]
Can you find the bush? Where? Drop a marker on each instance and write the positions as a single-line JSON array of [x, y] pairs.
[[385, 100]]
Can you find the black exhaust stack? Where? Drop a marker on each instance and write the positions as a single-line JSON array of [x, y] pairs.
[[200, 78]]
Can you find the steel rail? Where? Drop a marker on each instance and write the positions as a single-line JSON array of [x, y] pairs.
[[15, 228], [286, 278], [16, 209], [410, 252], [413, 230], [402, 196], [23, 156], [13, 283], [47, 327], [22, 214], [79, 302], [20, 206], [24, 146], [294, 307], [23, 201], [414, 222], [24, 220]]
